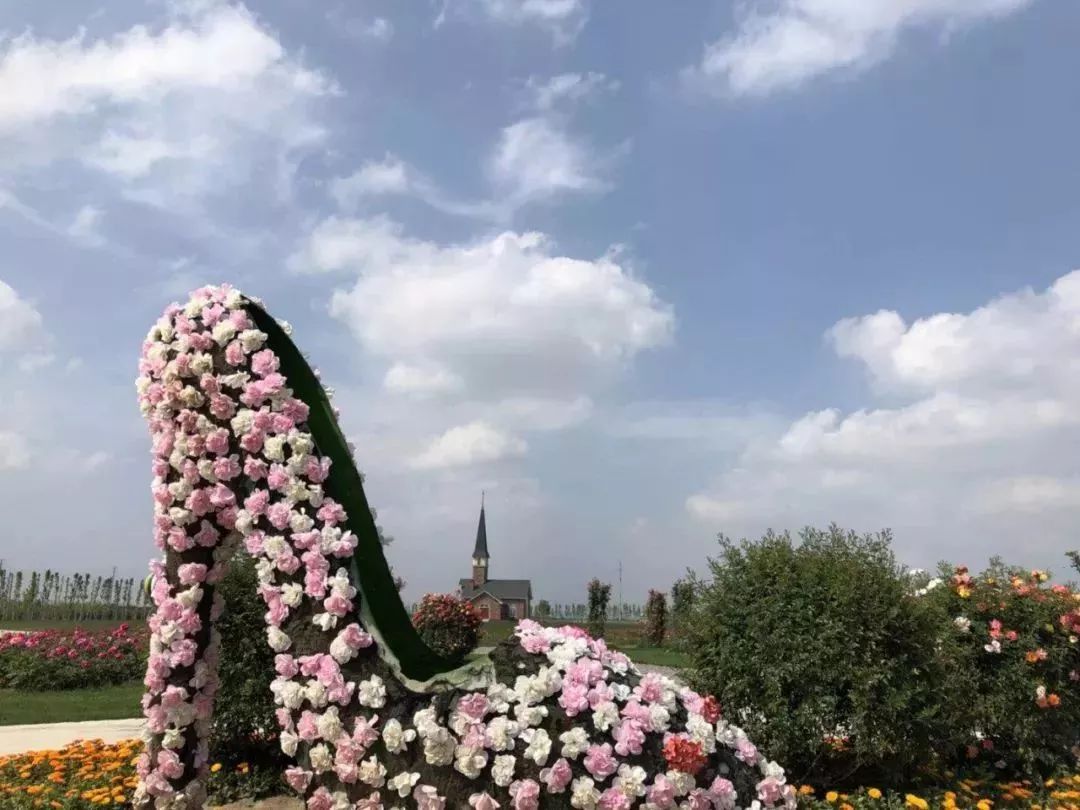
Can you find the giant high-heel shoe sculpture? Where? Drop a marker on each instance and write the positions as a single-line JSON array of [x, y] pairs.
[[248, 457]]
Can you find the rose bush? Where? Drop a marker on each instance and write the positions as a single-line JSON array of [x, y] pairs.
[[447, 624], [71, 659]]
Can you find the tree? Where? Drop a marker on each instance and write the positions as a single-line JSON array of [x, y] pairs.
[[682, 602], [543, 609], [599, 596], [655, 619]]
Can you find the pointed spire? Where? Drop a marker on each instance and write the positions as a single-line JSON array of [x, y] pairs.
[[481, 549]]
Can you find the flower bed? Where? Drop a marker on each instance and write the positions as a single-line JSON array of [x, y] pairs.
[[84, 774], [1062, 793], [449, 625], [71, 659]]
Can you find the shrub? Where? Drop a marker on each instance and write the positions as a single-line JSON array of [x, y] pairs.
[[1009, 641], [682, 602], [655, 619], [243, 737], [543, 609], [449, 625], [71, 659], [599, 596], [819, 651]]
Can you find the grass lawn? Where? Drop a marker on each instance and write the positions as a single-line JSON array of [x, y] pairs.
[[106, 703]]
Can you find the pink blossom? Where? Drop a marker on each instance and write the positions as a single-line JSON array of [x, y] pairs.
[[557, 777], [615, 799], [661, 792], [331, 512], [482, 801], [191, 573], [320, 800], [255, 468], [770, 790], [723, 793], [169, 764], [198, 502], [574, 698], [535, 644], [364, 731], [218, 441], [427, 798], [278, 514], [599, 761], [221, 496], [264, 362], [372, 802], [278, 478], [473, 706], [746, 751], [308, 727], [629, 736], [226, 468], [285, 665], [257, 501], [525, 794], [234, 353], [699, 799], [354, 637], [207, 535]]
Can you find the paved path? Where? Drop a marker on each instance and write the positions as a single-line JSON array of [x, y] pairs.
[[48, 736]]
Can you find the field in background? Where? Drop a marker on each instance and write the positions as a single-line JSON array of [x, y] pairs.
[[18, 707]]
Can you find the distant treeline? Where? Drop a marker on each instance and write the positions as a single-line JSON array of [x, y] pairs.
[[70, 597]]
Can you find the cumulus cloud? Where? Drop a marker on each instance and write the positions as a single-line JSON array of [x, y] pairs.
[[20, 322], [505, 314], [972, 441], [163, 107], [474, 443], [562, 19], [800, 40], [533, 160]]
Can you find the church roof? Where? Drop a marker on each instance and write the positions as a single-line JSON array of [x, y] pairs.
[[481, 549], [501, 589]]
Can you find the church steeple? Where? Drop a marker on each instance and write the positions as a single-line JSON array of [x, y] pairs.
[[480, 551]]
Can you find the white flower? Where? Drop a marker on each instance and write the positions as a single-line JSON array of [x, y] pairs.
[[630, 780], [439, 747], [500, 697], [300, 521], [291, 695], [278, 641], [659, 718], [180, 516], [320, 758], [963, 623], [223, 332], [575, 742], [371, 692], [501, 733], [530, 715], [681, 781], [502, 772], [315, 694], [470, 761], [403, 783], [605, 715], [252, 339], [583, 793], [324, 621], [425, 721], [701, 731], [274, 546], [190, 597], [274, 448], [372, 772], [243, 421], [264, 570], [622, 692], [292, 593], [288, 743], [301, 443], [329, 724], [993, 647], [396, 738], [539, 745], [174, 738]]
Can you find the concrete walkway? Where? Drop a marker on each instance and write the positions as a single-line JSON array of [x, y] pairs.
[[49, 736]]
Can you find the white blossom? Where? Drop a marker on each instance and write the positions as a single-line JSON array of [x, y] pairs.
[[403, 783], [502, 772], [278, 641], [583, 793], [470, 761], [371, 692], [439, 747], [372, 772], [630, 780], [575, 742], [539, 745], [395, 737]]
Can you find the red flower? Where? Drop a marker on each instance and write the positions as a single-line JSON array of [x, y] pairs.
[[710, 709], [683, 754]]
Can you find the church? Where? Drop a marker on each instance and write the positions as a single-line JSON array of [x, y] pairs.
[[494, 598]]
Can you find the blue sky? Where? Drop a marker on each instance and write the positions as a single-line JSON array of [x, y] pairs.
[[643, 275]]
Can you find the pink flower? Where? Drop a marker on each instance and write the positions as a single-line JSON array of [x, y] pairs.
[[278, 514], [169, 764], [699, 799], [364, 731], [355, 638], [770, 790], [255, 468], [661, 792], [557, 777], [746, 751], [723, 793], [320, 800], [264, 362], [525, 794], [482, 801], [427, 798], [629, 736], [308, 727], [473, 706], [535, 644], [257, 501], [278, 478], [614, 799], [372, 802], [574, 698], [191, 573], [218, 441], [599, 761]]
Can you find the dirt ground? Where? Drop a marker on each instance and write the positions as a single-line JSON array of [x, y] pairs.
[[276, 803]]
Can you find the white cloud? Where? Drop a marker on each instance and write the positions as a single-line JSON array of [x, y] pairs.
[[175, 111], [474, 443], [534, 160], [20, 323], [14, 451], [802, 39], [403, 378], [505, 313], [548, 94], [973, 441], [562, 19], [85, 227]]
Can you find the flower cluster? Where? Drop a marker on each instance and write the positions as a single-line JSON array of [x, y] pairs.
[[81, 775], [69, 659], [1061, 793], [449, 625]]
